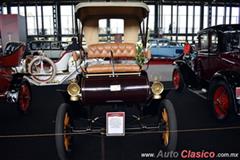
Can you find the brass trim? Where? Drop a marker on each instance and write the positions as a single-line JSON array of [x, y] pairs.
[[74, 98], [160, 89], [111, 75]]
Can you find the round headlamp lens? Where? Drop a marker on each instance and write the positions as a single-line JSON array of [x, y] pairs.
[[73, 89], [157, 87]]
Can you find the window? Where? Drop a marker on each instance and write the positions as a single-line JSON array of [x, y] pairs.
[[203, 39], [205, 18], [102, 23], [67, 19], [182, 19], [190, 18], [213, 16], [14, 10], [214, 42], [220, 16], [151, 17], [231, 41], [21, 11], [31, 20], [174, 25], [197, 19], [167, 19], [4, 9], [48, 20], [235, 15], [39, 18], [116, 30]]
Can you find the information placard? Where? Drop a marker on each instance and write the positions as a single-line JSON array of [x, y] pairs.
[[115, 123]]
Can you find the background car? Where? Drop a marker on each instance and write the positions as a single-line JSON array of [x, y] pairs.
[[164, 48], [49, 63], [217, 69], [163, 53], [14, 88]]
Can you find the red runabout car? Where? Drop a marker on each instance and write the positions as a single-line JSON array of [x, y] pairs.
[[13, 86]]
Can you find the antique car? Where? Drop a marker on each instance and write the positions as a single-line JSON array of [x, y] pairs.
[[216, 69], [14, 88], [112, 94], [163, 53], [164, 48], [49, 63]]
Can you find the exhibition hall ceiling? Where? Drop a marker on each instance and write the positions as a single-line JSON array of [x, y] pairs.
[[180, 2]]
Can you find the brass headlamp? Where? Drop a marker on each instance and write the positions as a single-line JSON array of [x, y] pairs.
[[157, 88], [73, 90]]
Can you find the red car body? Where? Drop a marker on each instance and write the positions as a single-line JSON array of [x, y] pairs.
[[220, 53], [13, 87], [216, 68]]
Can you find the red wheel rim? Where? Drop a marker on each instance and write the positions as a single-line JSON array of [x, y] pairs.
[[24, 97], [221, 102], [176, 79]]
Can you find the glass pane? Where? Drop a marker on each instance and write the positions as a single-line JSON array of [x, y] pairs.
[[235, 15], [151, 17], [182, 19], [66, 19], [205, 24], [190, 19], [203, 42], [116, 26], [197, 19], [102, 23], [22, 13], [166, 19], [213, 16], [220, 15], [39, 19], [174, 25], [228, 15], [4, 10], [214, 42], [31, 20], [48, 20], [14, 10]]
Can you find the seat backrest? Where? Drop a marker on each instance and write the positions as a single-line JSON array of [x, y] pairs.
[[119, 50]]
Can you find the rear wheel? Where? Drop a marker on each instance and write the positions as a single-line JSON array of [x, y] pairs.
[[63, 132], [177, 80], [220, 98], [24, 97], [168, 124]]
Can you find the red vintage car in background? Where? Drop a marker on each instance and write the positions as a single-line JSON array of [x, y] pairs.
[[13, 86], [216, 69]]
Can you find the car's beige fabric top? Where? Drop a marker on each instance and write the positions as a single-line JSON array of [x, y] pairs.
[[88, 10], [133, 14]]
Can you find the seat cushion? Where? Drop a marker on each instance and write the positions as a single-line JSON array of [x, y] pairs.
[[108, 68], [119, 50]]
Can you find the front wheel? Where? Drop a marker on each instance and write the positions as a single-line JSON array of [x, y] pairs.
[[24, 97], [220, 99], [63, 130], [168, 124]]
